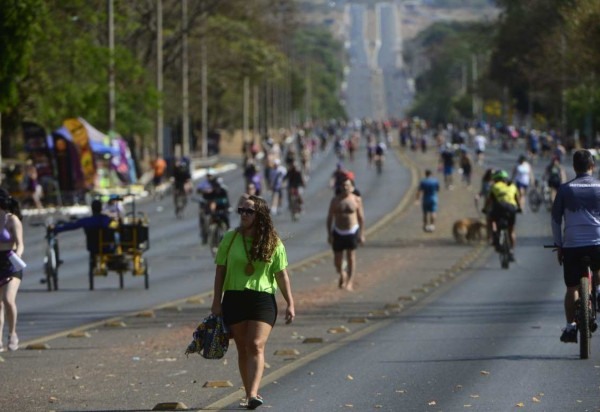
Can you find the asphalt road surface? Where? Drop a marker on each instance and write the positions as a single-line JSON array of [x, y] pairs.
[[180, 266]]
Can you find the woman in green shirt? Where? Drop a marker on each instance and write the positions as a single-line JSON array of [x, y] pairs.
[[251, 265]]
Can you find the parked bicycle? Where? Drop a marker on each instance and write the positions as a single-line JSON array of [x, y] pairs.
[[51, 258]]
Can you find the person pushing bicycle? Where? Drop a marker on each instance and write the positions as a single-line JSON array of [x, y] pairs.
[[503, 202], [577, 205]]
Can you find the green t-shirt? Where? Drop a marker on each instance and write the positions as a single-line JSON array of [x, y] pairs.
[[263, 278]]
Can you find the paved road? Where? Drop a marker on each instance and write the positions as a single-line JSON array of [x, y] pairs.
[[180, 267]]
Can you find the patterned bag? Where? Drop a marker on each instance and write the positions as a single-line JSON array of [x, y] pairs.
[[210, 339]]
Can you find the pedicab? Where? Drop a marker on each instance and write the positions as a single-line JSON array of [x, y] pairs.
[[121, 248]]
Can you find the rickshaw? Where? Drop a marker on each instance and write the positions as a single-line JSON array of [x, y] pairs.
[[121, 248]]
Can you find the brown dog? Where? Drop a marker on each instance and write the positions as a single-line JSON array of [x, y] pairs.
[[468, 230]]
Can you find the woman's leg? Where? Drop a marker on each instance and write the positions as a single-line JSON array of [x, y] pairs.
[[10, 296], [250, 339], [239, 332]]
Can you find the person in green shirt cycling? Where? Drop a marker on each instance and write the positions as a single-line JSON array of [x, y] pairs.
[[251, 265], [503, 201]]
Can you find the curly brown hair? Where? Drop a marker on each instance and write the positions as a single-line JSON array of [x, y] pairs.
[[266, 238]]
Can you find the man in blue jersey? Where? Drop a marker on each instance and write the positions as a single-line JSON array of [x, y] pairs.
[[578, 203], [428, 190]]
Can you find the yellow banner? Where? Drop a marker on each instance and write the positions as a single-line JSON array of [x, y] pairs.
[[82, 141]]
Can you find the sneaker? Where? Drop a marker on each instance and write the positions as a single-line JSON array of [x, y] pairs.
[[13, 342], [569, 335]]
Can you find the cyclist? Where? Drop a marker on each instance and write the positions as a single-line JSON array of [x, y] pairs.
[[379, 157], [577, 202], [218, 201], [182, 177], [295, 181], [555, 175], [214, 197], [522, 175], [503, 202], [91, 225]]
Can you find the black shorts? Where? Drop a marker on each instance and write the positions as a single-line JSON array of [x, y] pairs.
[[242, 305], [344, 242], [573, 265], [504, 214]]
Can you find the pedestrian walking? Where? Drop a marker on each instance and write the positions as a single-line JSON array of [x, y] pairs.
[[250, 266], [345, 230], [428, 194], [11, 242]]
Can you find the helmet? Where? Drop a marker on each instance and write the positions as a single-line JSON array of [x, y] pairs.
[[500, 175]]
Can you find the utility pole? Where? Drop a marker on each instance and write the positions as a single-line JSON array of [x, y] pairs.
[[255, 116], [204, 99], [111, 67], [246, 109], [159, 79], [185, 110]]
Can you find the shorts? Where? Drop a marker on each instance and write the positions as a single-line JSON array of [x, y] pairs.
[[430, 207], [243, 305], [574, 267], [344, 242], [521, 185], [448, 170], [504, 213], [7, 267]]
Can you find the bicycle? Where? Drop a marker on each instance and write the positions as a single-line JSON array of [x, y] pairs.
[[534, 197], [547, 196], [586, 308], [51, 259], [502, 242], [379, 163], [295, 201], [216, 229], [180, 200]]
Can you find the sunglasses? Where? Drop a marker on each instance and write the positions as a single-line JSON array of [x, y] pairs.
[[245, 211]]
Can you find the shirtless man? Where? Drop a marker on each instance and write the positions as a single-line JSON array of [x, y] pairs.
[[345, 230]]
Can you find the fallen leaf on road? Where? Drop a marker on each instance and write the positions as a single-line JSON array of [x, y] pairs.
[[400, 391], [350, 378], [520, 405], [432, 403], [52, 399], [467, 406], [474, 396], [484, 372], [349, 405], [378, 406], [536, 400]]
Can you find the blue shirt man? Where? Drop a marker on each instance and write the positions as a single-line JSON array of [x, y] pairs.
[[428, 191], [90, 224]]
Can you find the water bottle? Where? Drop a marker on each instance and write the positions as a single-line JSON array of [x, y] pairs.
[[16, 261]]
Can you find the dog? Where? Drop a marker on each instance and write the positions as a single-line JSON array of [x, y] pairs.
[[468, 230]]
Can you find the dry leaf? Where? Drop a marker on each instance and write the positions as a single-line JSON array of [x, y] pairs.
[[467, 406], [520, 405], [350, 378], [474, 396], [536, 400], [484, 372], [349, 405], [432, 403]]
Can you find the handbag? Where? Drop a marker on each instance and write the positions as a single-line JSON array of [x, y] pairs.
[[210, 339]]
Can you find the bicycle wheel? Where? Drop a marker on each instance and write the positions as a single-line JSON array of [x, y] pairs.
[[504, 249], [584, 318], [535, 200], [50, 267], [213, 238]]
